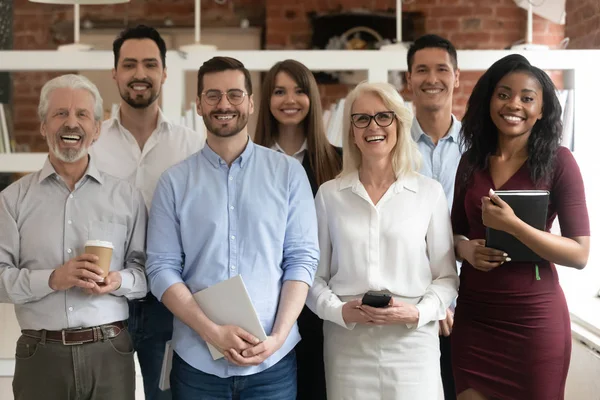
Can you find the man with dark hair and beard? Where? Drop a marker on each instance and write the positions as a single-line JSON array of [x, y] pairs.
[[72, 315], [138, 145], [234, 208]]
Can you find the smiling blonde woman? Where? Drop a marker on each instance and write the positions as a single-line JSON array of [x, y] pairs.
[[383, 228]]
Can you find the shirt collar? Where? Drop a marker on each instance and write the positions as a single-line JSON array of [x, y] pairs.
[[217, 161], [161, 121], [453, 133], [91, 171], [408, 182], [278, 148]]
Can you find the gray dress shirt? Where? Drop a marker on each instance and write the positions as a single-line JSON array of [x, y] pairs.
[[44, 224]]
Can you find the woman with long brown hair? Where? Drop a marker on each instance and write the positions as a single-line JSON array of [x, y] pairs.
[[290, 120]]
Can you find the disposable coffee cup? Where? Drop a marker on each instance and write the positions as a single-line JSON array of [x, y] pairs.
[[104, 252]]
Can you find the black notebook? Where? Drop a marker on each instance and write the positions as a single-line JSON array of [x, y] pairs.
[[531, 206]]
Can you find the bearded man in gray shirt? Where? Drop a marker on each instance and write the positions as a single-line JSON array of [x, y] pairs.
[[74, 343]]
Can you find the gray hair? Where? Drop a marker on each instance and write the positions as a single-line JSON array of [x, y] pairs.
[[70, 81]]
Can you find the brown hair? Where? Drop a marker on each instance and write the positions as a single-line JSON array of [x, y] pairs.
[[324, 160], [220, 64]]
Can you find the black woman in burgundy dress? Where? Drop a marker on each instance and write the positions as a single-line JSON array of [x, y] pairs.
[[512, 335]]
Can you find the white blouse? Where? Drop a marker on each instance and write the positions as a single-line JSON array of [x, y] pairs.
[[403, 245]]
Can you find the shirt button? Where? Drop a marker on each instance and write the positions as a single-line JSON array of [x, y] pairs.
[[70, 308], [71, 196], [233, 267], [69, 251], [69, 222], [231, 207], [232, 237], [231, 178]]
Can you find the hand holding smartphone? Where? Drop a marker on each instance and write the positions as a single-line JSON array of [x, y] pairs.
[[377, 300]]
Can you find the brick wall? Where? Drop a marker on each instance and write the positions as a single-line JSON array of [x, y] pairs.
[[469, 24], [583, 24], [45, 26]]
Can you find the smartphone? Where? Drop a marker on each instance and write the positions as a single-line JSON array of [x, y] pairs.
[[376, 300]]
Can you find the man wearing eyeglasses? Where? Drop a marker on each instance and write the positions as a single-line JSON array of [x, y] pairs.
[[234, 208], [138, 144], [432, 77]]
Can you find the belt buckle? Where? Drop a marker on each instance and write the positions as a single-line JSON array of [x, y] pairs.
[[64, 342]]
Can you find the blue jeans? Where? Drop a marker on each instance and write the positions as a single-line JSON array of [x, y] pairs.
[[275, 383], [150, 327]]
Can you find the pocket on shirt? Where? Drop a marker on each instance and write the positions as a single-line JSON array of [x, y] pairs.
[[115, 233]]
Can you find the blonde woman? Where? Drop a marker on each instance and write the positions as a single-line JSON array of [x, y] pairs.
[[382, 228]]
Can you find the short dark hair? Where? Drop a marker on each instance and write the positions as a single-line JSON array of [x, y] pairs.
[[480, 135], [140, 32], [431, 41], [220, 64]]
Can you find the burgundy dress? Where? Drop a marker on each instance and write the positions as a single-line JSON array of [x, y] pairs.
[[512, 335]]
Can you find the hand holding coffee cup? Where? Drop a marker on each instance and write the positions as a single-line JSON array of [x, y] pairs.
[[80, 271], [103, 250]]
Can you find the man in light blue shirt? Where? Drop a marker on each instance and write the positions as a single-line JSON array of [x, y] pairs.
[[432, 77], [233, 208]]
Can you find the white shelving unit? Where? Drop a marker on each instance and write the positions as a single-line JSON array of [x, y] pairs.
[[577, 65], [22, 162]]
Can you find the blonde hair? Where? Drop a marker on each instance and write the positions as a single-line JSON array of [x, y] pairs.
[[405, 154]]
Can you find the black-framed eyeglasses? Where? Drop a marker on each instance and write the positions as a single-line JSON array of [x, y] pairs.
[[234, 96], [383, 119]]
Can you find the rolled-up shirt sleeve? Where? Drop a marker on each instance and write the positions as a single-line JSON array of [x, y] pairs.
[[301, 246], [165, 250], [17, 285], [134, 284]]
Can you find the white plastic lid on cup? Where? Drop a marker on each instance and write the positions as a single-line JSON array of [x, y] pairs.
[[99, 243]]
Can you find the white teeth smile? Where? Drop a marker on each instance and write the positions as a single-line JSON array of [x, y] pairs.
[[70, 138], [433, 91], [374, 139], [140, 87], [512, 118], [291, 111], [225, 117]]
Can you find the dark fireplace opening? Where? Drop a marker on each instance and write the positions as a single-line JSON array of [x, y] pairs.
[[360, 30]]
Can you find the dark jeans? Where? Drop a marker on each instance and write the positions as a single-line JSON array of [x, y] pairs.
[[446, 367], [151, 326], [275, 383], [309, 352], [93, 371]]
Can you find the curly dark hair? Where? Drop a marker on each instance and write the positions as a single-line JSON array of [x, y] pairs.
[[480, 135]]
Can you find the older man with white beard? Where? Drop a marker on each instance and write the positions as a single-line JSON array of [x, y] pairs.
[[72, 320]]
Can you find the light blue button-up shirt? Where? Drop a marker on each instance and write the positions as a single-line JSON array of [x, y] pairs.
[[210, 222], [440, 161]]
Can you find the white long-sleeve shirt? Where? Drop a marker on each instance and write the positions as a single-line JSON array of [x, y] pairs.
[[118, 153], [403, 244]]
